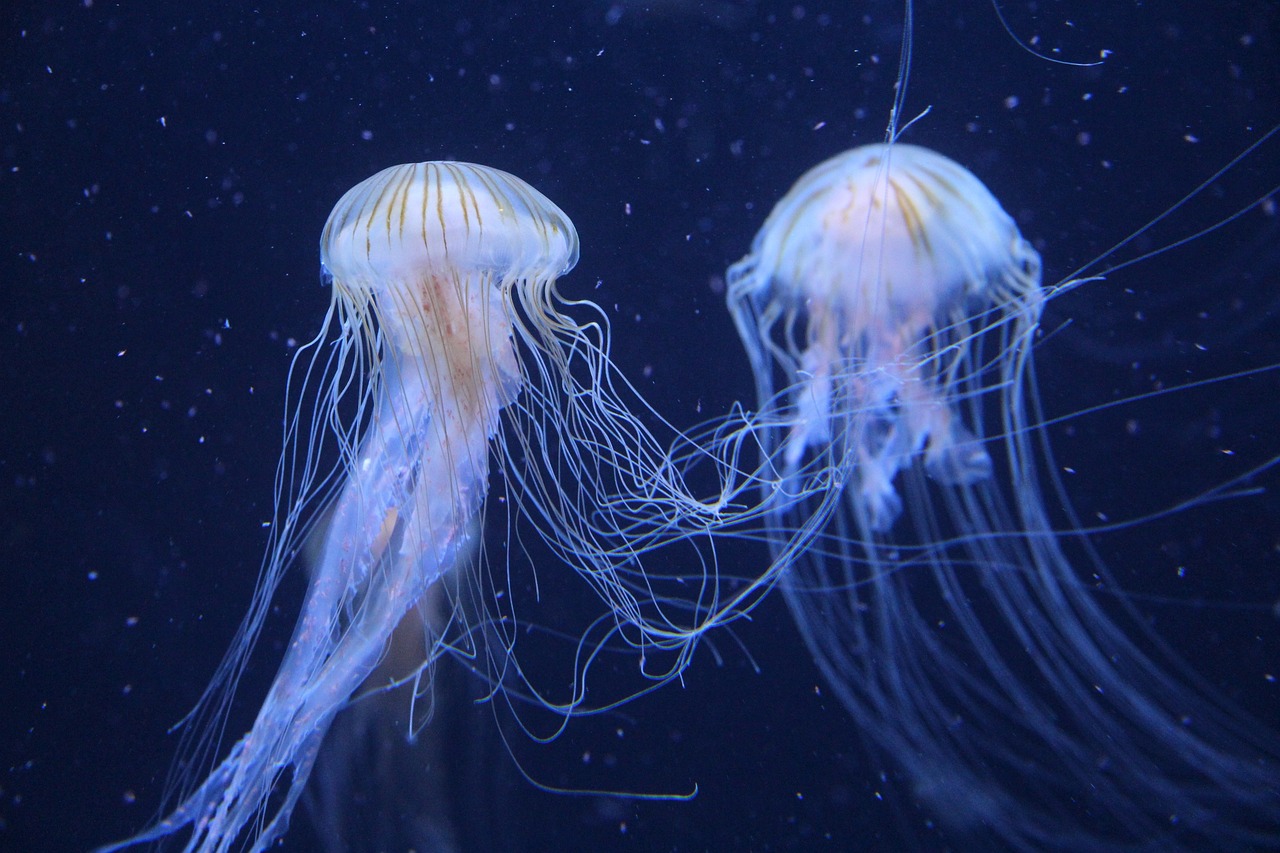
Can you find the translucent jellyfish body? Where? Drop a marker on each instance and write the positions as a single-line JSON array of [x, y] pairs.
[[423, 260], [877, 257], [889, 307], [444, 335]]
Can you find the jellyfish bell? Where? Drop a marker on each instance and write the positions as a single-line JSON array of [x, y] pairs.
[[889, 233], [889, 308], [443, 216]]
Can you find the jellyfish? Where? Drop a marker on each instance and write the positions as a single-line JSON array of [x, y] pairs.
[[889, 307], [444, 336]]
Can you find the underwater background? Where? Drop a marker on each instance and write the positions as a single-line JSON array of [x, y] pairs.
[[164, 174]]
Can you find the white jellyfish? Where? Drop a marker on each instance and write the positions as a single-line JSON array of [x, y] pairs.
[[445, 332], [889, 306]]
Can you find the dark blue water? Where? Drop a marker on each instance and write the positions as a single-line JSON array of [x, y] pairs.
[[164, 174]]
